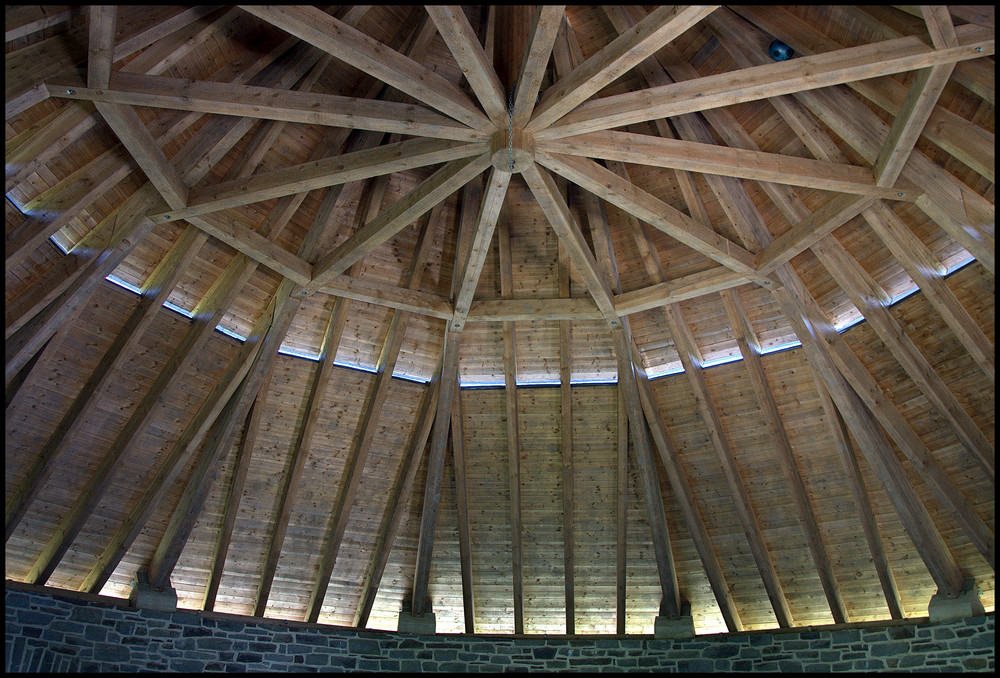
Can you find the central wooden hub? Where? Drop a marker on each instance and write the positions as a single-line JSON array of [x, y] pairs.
[[512, 146]]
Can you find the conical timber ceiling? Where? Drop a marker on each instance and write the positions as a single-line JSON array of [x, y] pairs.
[[544, 319]]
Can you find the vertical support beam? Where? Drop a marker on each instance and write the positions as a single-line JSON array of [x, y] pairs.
[[513, 433], [435, 467], [621, 515], [462, 506]]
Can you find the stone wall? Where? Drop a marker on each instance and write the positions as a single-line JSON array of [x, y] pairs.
[[57, 631]]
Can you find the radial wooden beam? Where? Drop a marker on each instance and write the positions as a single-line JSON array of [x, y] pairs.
[[644, 149], [750, 350], [435, 467], [400, 214], [961, 212], [633, 200], [469, 268], [390, 296], [968, 142], [103, 20], [363, 439], [660, 27], [370, 56], [848, 458], [266, 103], [544, 29], [761, 82], [320, 173], [456, 31]]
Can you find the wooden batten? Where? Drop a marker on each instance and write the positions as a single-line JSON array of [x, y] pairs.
[[285, 331]]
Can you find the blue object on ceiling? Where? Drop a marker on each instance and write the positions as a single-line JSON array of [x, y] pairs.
[[779, 51]]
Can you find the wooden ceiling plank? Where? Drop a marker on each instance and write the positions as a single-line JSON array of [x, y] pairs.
[[34, 151], [273, 327], [544, 29], [912, 512], [155, 291], [849, 460], [659, 27], [32, 322], [62, 203], [926, 271], [513, 432], [299, 452], [25, 20], [400, 214], [363, 440], [750, 350], [266, 103], [867, 388], [456, 31], [843, 268], [234, 493], [354, 47], [761, 82], [435, 468], [655, 151], [462, 509], [471, 266], [566, 452], [398, 498], [967, 141], [173, 463], [633, 200]]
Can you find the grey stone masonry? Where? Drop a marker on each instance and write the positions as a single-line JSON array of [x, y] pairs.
[[50, 630]]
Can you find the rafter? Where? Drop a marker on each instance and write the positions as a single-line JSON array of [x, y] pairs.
[[398, 216], [760, 82], [266, 103], [660, 27], [644, 149], [370, 56], [370, 161], [544, 29]]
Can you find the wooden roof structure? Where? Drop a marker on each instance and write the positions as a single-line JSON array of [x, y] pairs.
[[547, 319]]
